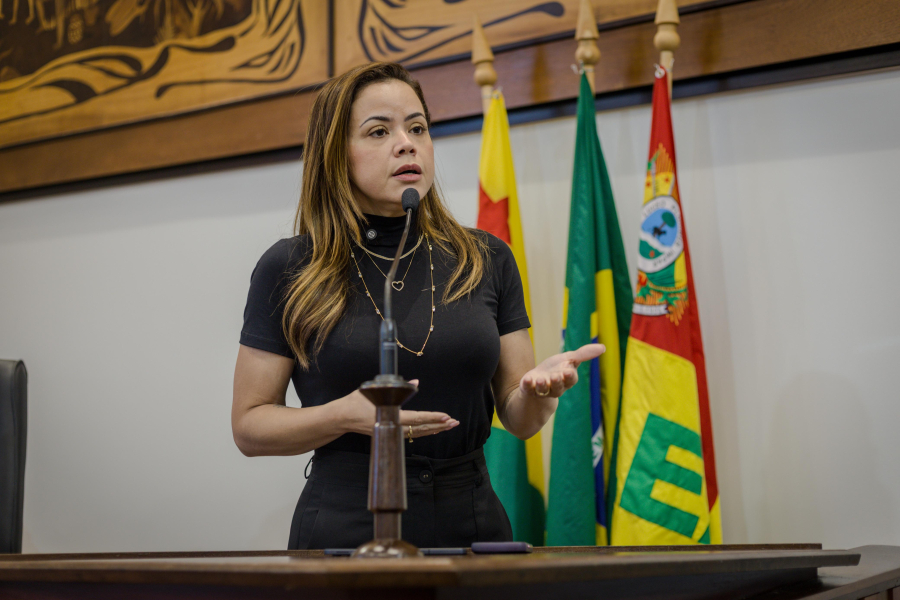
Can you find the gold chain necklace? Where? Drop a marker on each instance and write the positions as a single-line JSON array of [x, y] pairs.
[[408, 252], [397, 285], [378, 312]]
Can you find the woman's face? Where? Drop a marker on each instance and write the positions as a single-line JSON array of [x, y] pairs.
[[390, 147]]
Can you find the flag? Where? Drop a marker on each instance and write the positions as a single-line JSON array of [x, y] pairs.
[[516, 467], [666, 475], [596, 308]]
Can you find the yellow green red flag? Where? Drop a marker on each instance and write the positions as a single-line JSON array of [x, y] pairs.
[[515, 466], [666, 489]]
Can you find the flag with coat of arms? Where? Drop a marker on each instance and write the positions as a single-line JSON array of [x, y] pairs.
[[666, 490]]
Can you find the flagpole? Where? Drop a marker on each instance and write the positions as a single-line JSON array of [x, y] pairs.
[[667, 39], [587, 53], [483, 59]]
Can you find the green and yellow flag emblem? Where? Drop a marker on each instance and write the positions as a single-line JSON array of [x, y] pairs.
[[597, 308]]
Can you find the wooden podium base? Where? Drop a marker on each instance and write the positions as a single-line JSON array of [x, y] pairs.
[[390, 548]]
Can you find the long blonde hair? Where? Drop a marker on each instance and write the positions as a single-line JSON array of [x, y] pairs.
[[317, 295]]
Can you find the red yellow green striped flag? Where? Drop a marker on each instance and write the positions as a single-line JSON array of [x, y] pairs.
[[596, 308], [515, 466], [665, 468]]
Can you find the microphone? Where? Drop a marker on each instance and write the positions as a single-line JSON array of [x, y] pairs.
[[409, 200]]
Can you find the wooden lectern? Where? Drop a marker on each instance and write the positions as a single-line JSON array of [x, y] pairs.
[[778, 572]]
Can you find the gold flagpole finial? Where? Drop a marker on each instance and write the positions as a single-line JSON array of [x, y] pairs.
[[667, 39], [483, 59], [587, 54]]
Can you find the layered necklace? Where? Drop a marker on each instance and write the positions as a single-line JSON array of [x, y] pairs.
[[397, 285], [430, 271]]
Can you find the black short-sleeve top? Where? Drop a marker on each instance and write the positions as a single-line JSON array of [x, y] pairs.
[[461, 353]]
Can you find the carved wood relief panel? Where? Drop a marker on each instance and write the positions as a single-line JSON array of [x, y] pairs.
[[69, 66], [92, 88], [421, 31], [72, 66]]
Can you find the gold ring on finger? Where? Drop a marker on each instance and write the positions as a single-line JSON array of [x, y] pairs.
[[539, 393], [409, 434]]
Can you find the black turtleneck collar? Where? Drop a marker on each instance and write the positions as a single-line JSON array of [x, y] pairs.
[[385, 232]]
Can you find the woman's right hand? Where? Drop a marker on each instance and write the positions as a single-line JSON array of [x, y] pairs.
[[262, 426], [359, 415]]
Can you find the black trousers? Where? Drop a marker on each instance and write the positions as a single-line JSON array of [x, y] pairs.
[[451, 503]]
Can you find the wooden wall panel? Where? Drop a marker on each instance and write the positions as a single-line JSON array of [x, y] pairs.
[[230, 131], [719, 40], [419, 32], [107, 80]]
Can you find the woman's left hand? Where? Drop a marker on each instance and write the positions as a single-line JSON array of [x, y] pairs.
[[558, 373]]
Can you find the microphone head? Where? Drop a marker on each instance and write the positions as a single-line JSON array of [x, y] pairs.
[[410, 199]]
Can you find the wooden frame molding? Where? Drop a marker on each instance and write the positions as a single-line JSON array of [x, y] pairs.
[[715, 41]]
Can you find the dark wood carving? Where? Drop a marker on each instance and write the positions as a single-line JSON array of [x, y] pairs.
[[716, 39], [75, 65], [420, 31]]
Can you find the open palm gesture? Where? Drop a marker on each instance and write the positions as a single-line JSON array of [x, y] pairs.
[[559, 372]]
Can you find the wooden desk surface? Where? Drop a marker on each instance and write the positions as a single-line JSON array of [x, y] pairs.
[[576, 572]]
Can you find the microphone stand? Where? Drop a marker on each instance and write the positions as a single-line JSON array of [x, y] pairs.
[[387, 465], [388, 333]]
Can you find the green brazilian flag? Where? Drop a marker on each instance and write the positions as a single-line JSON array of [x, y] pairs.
[[596, 309]]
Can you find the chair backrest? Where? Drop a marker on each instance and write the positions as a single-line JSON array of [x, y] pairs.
[[13, 429]]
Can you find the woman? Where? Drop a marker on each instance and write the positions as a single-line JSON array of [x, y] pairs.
[[313, 316]]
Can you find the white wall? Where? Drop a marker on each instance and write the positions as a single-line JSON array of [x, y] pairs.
[[126, 302]]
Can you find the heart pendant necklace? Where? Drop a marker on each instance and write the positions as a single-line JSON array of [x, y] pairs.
[[421, 351], [397, 285]]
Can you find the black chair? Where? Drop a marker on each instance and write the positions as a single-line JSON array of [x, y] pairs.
[[13, 427]]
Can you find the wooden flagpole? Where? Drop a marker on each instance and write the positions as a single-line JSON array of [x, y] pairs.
[[483, 59], [587, 53], [667, 39]]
